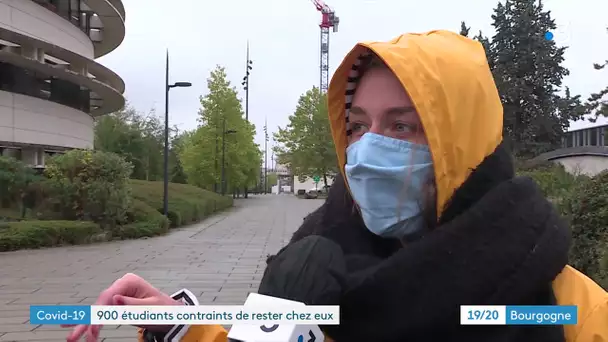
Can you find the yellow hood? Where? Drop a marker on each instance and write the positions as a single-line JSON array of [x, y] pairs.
[[449, 82]]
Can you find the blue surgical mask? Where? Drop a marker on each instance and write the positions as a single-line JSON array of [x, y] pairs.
[[386, 177]]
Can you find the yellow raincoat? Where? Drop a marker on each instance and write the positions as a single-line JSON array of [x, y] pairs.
[[463, 121]]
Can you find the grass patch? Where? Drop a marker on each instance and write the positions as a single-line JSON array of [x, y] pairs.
[[187, 203], [37, 234]]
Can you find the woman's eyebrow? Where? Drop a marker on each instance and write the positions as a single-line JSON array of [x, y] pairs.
[[357, 110], [400, 110]]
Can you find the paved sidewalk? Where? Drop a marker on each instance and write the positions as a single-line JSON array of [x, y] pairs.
[[221, 260]]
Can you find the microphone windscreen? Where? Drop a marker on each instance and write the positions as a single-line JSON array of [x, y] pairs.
[[311, 271]]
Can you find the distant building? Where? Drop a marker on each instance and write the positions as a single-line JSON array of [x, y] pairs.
[[288, 183], [584, 151], [591, 136], [51, 88], [284, 180]]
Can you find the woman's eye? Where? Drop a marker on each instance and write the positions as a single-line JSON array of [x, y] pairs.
[[358, 127], [401, 127]]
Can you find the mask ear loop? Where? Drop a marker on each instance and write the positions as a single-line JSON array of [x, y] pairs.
[[406, 186], [421, 198]]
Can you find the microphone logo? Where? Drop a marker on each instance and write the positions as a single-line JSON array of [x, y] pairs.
[[269, 330], [313, 338]]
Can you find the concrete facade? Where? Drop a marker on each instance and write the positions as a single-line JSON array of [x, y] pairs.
[[587, 160], [51, 88], [589, 165]]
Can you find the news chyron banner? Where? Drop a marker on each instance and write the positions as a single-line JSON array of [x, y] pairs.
[[518, 315], [297, 315], [188, 315]]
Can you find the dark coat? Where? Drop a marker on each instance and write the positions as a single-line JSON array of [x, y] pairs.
[[498, 241]]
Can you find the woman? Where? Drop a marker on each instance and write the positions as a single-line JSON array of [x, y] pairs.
[[438, 216]]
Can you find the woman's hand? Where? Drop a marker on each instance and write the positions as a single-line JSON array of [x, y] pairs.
[[128, 290]]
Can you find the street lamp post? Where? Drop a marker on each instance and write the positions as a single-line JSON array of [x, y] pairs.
[[166, 156], [224, 132], [245, 83], [215, 161], [265, 156]]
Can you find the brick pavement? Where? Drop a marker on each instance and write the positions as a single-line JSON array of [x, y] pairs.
[[221, 260]]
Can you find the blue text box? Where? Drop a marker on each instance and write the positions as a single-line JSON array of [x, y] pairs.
[[542, 314], [60, 314]]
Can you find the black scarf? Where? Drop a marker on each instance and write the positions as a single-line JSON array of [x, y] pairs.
[[499, 242]]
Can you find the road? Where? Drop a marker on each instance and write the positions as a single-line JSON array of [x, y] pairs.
[[221, 260]]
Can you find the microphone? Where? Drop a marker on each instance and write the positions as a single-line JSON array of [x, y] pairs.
[[276, 332], [310, 271]]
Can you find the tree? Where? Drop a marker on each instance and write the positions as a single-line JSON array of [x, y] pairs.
[[220, 122], [176, 169], [15, 180], [485, 42], [597, 104], [306, 145], [136, 137], [528, 73], [464, 30]]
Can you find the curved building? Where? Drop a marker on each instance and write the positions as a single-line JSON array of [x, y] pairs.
[[583, 151], [51, 88]]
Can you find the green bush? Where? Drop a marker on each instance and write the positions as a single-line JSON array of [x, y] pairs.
[[587, 209], [10, 215], [187, 203], [15, 180], [145, 222], [138, 230], [37, 234], [142, 214], [553, 179], [90, 185]]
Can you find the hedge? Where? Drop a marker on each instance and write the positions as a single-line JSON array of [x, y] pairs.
[[553, 179], [36, 234], [586, 207], [187, 203], [145, 222]]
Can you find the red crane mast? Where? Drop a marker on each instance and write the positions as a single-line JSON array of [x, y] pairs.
[[328, 20]]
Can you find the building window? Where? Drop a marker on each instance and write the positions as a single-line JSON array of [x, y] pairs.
[[18, 80], [75, 12], [569, 140], [11, 152], [67, 9], [586, 137], [580, 138], [593, 137], [39, 157]]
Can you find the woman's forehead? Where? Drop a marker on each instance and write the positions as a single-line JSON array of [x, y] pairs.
[[380, 90]]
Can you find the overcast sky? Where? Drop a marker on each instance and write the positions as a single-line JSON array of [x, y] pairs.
[[284, 43]]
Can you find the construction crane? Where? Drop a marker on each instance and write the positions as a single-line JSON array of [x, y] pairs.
[[328, 20]]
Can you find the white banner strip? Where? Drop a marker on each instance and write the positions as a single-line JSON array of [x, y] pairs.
[[225, 314]]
